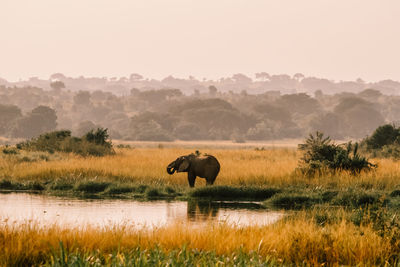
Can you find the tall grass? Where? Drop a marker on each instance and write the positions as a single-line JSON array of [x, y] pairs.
[[299, 240], [275, 167]]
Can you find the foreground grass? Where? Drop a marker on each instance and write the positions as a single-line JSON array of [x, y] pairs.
[[299, 240]]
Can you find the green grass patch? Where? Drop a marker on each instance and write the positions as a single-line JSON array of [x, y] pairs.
[[61, 185], [293, 200], [117, 189], [229, 192], [91, 186], [356, 198], [156, 257], [153, 193]]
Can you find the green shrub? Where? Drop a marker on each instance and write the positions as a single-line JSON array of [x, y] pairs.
[[10, 151], [94, 143], [384, 135], [321, 154]]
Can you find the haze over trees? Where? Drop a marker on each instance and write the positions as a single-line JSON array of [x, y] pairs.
[[236, 108]]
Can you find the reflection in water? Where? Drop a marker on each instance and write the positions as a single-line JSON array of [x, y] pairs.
[[239, 213], [22, 207]]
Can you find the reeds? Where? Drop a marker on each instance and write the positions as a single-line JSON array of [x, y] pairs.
[[299, 240]]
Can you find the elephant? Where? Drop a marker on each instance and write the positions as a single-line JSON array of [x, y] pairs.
[[196, 164]]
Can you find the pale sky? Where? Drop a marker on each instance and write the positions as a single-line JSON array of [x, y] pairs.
[[336, 39]]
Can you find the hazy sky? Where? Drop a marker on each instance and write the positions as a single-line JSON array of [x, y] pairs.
[[336, 39]]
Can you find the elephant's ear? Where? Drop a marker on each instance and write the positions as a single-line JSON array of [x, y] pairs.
[[184, 166]]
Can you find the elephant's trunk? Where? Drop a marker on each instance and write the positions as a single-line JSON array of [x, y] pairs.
[[171, 168]]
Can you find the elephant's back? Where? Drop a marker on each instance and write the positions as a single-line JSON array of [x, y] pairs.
[[210, 163]]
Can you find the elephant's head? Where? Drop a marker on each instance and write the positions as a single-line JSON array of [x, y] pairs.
[[181, 164]]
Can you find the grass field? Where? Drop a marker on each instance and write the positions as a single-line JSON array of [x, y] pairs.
[[343, 219], [147, 166]]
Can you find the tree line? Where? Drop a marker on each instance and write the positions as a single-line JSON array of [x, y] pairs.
[[169, 114]]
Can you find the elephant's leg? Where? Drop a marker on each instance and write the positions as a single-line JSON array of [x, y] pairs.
[[191, 179], [210, 181]]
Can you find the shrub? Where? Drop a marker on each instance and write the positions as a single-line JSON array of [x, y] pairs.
[[384, 142], [321, 154], [383, 135], [10, 151], [94, 143]]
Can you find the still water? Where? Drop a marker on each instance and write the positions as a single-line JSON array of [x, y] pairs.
[[21, 208]]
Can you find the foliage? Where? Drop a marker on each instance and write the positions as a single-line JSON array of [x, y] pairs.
[[321, 154], [384, 142], [93, 143], [40, 120]]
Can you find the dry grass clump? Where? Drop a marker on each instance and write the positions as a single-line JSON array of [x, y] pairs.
[[297, 240]]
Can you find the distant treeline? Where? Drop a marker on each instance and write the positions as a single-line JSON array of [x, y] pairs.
[[260, 83], [246, 113]]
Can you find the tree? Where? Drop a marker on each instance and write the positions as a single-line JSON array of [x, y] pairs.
[[212, 90], [361, 120], [298, 76], [84, 127], [241, 78], [329, 123], [263, 76], [301, 103], [57, 86], [8, 114], [135, 77], [82, 98], [40, 120]]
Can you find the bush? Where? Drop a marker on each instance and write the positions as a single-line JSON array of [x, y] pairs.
[[383, 135], [93, 143], [321, 154], [384, 142]]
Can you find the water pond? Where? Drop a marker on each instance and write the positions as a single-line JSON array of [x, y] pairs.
[[22, 207]]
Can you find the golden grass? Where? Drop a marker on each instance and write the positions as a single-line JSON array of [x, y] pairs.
[[272, 167], [298, 240]]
